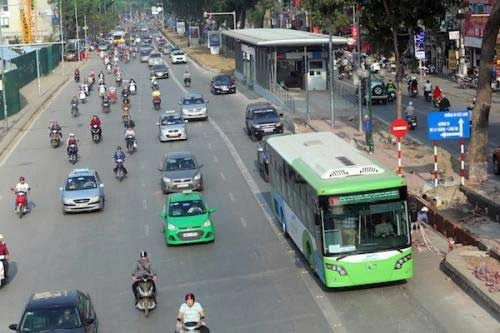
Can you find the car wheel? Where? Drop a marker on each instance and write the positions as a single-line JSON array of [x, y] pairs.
[[101, 205], [249, 133], [496, 166], [377, 91]]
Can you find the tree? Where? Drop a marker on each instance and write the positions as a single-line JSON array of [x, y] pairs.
[[329, 14], [478, 148]]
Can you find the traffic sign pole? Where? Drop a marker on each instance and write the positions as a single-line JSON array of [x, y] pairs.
[[434, 143], [399, 155], [399, 128], [462, 161]]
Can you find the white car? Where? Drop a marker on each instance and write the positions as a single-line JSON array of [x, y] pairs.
[[178, 56], [155, 58]]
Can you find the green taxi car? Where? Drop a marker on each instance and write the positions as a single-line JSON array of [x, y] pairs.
[[187, 219]]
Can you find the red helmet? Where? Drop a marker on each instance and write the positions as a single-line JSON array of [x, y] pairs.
[[21, 179], [189, 296]]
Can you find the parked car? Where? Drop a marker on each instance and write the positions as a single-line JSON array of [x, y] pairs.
[[178, 57], [83, 191], [171, 126], [194, 106], [187, 219], [261, 119], [222, 84], [71, 55], [58, 311], [180, 171]]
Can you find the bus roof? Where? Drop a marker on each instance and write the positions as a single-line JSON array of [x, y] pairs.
[[331, 165]]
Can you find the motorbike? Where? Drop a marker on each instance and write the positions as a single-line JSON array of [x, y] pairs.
[[119, 81], [413, 90], [412, 121], [428, 96], [125, 114], [120, 174], [102, 91], [106, 106], [83, 97], [55, 138], [157, 103], [77, 77], [146, 295], [187, 82], [391, 96], [108, 68], [96, 133], [130, 139], [467, 81], [72, 154], [21, 203], [112, 96], [74, 110], [3, 270], [132, 89], [155, 86]]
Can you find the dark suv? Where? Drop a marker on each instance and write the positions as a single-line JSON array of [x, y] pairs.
[[62, 310], [262, 119]]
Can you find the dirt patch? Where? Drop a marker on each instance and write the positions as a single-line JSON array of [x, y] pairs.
[[202, 55]]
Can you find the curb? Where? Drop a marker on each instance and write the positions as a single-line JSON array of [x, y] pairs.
[[25, 117], [471, 288]]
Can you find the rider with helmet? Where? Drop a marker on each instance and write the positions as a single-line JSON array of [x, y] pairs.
[[143, 267], [72, 140], [22, 186], [119, 155], [4, 251], [54, 126], [191, 313], [409, 110]]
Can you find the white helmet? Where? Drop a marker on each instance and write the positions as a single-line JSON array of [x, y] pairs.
[[1, 238], [71, 134], [410, 103], [424, 209]]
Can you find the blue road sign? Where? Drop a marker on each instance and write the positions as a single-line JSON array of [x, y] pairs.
[[448, 125]]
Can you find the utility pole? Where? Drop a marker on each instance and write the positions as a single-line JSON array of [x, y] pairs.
[[85, 28], [62, 35], [332, 71], [77, 34], [360, 83], [2, 71]]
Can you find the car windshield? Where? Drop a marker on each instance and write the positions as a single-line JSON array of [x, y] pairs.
[[145, 51], [43, 320], [171, 120], [222, 80], [178, 52], [181, 163], [80, 183], [265, 114], [186, 208], [365, 227], [159, 67], [192, 101], [155, 55]]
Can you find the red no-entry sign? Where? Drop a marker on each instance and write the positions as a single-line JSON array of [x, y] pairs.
[[399, 127]]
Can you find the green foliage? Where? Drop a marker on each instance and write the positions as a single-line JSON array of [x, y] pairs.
[[329, 13]]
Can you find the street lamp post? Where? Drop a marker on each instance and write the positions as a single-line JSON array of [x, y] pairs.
[[369, 62], [77, 34], [206, 14]]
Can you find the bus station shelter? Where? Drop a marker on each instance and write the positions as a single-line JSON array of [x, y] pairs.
[[289, 58]]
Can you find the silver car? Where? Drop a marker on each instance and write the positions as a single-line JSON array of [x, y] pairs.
[[194, 106], [155, 58], [83, 191], [180, 171], [171, 126]]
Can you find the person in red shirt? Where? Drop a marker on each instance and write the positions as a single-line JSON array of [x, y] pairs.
[[4, 252], [95, 121]]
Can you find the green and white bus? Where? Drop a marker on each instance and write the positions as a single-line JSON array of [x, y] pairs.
[[346, 214]]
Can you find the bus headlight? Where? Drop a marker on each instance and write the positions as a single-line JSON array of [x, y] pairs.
[[339, 269], [402, 261]]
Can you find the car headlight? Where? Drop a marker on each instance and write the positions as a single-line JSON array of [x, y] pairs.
[[166, 180], [94, 198], [206, 224], [197, 176], [171, 227], [279, 124], [67, 201], [204, 109], [257, 126]]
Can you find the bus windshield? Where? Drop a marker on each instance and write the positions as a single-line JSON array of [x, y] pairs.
[[365, 227]]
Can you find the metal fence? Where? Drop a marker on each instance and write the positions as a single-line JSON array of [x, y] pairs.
[[287, 99]]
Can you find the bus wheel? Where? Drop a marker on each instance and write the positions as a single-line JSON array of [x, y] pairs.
[[309, 255]]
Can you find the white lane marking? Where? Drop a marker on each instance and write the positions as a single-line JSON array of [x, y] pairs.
[[146, 230], [243, 222], [216, 160], [324, 305], [231, 197], [145, 204], [222, 176]]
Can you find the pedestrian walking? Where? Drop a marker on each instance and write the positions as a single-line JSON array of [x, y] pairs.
[[367, 125]]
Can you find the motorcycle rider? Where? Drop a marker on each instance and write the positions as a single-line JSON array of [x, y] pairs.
[[154, 84], [427, 88], [436, 94], [444, 104], [409, 110], [187, 76], [119, 155], [74, 100], [390, 86], [95, 121], [72, 140], [101, 75], [412, 84], [129, 131], [22, 186], [77, 75], [54, 126], [4, 251], [143, 267], [156, 93], [191, 312]]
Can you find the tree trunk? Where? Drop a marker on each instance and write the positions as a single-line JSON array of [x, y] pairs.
[[399, 68], [242, 17], [478, 148]]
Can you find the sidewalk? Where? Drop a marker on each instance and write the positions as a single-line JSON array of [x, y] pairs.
[[458, 262], [33, 103]]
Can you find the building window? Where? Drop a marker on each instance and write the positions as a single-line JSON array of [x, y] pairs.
[[4, 22], [4, 5]]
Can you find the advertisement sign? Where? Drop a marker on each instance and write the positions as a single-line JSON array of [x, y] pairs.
[[181, 28], [214, 38], [154, 10], [452, 60], [194, 35], [420, 45]]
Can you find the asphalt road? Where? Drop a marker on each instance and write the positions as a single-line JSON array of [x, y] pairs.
[[249, 280]]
